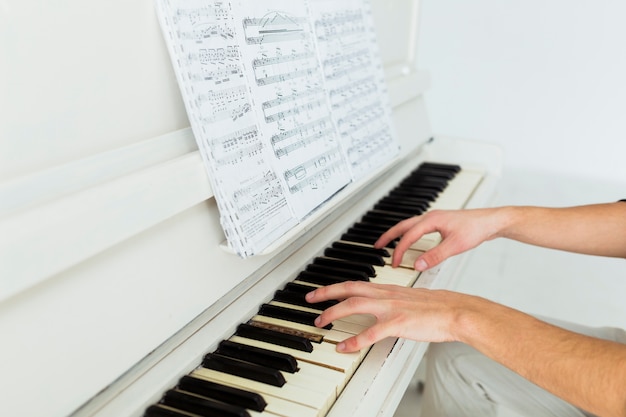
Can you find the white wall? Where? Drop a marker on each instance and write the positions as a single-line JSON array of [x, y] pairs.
[[545, 79]]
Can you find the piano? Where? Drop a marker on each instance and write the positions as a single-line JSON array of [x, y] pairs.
[[118, 296]]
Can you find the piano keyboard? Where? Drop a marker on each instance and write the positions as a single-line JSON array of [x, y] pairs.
[[278, 363]]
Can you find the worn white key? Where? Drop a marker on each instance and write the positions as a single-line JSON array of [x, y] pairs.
[[331, 336]]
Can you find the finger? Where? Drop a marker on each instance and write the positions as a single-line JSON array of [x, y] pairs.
[[348, 307], [436, 255], [344, 290], [395, 231], [364, 339], [409, 238]]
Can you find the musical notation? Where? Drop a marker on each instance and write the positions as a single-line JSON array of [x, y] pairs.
[[199, 34], [348, 50], [286, 101], [302, 143], [342, 23], [317, 126], [288, 84], [323, 167]]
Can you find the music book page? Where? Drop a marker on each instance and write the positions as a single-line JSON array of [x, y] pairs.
[[286, 100]]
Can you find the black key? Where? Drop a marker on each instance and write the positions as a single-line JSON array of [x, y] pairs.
[[425, 183], [411, 201], [275, 337], [365, 232], [368, 233], [298, 298], [350, 265], [157, 411], [296, 316], [224, 393], [449, 167], [260, 356], [413, 193], [370, 227], [435, 172], [243, 369], [319, 278], [382, 221], [363, 238], [359, 248], [350, 255], [300, 288], [385, 216], [341, 274], [206, 407], [401, 209]]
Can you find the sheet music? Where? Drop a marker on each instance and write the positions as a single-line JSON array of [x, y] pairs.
[[286, 100], [355, 81], [253, 207], [287, 86]]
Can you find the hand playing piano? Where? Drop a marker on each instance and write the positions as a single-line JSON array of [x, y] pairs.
[[460, 231], [588, 372], [413, 313], [588, 229]]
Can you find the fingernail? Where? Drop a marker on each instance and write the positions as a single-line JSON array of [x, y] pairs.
[[309, 296], [421, 265], [317, 321], [341, 347]]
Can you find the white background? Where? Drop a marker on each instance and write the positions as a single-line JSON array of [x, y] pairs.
[[545, 79]]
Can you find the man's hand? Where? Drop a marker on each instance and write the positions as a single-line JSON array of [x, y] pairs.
[[412, 313], [460, 231]]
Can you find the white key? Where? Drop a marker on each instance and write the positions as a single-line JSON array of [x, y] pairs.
[[408, 259], [458, 191], [290, 392], [275, 404], [350, 324], [323, 354], [331, 336], [427, 242], [405, 274], [396, 276]]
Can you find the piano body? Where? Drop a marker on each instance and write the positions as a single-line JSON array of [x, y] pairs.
[[114, 279]]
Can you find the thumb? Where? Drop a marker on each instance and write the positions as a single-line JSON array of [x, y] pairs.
[[433, 257]]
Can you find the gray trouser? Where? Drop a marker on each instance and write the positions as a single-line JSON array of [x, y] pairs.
[[460, 381]]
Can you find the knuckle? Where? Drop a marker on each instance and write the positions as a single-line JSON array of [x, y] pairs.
[[351, 286], [369, 335], [353, 303]]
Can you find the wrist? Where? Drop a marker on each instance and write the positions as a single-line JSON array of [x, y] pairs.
[[505, 220], [475, 320]]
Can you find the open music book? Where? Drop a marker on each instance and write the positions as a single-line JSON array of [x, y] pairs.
[[287, 102]]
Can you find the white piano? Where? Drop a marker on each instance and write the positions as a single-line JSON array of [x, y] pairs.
[[114, 280]]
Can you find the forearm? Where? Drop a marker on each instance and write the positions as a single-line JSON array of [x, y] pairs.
[[594, 229], [584, 371]]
